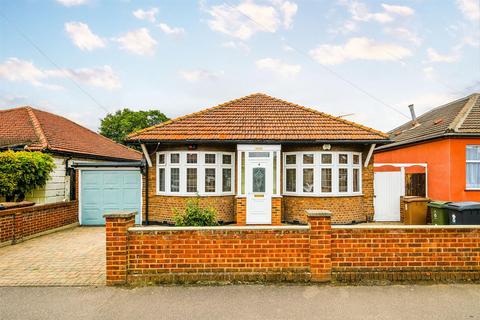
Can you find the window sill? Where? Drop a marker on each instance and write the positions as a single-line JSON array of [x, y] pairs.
[[179, 194], [472, 189], [337, 195]]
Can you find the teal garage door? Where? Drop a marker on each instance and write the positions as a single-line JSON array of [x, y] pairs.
[[108, 190]]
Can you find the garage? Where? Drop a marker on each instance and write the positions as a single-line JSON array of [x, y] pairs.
[[105, 188]]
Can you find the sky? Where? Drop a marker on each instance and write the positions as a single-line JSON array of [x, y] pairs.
[[363, 60]]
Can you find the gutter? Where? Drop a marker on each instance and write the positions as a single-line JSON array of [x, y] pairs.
[[139, 142], [131, 164], [393, 145]]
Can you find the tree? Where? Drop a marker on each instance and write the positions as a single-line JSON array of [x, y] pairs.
[[22, 172], [118, 125]]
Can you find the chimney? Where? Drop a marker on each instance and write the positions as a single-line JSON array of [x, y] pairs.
[[412, 113]]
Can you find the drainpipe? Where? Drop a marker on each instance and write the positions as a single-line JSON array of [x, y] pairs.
[[146, 196]]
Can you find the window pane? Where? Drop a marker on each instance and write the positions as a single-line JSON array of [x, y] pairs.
[[259, 154], [356, 180], [473, 152], [174, 158], [161, 179], [326, 158], [226, 180], [191, 158], [161, 159], [291, 159], [274, 172], [473, 175], [308, 180], [175, 179], [210, 158], [227, 159], [258, 178], [291, 180], [243, 173], [343, 158], [356, 159], [191, 179], [326, 180], [209, 180], [308, 158], [343, 180]]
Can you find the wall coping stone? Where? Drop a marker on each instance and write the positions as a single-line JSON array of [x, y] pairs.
[[218, 228], [120, 214], [318, 213], [399, 226]]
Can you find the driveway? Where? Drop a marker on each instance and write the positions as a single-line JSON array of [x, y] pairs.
[[243, 302], [73, 257]]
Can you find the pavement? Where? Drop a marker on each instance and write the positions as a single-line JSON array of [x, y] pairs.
[[72, 257], [243, 302]]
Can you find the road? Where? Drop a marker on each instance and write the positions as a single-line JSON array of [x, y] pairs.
[[242, 302]]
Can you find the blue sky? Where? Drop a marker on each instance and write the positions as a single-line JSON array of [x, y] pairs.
[[364, 59]]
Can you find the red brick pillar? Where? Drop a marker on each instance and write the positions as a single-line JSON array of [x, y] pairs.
[[241, 211], [276, 211], [116, 230], [320, 245]]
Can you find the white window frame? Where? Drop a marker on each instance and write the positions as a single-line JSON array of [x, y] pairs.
[[201, 166], [467, 187], [317, 174]]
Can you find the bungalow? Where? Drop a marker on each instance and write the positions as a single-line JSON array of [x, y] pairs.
[[259, 160], [436, 155]]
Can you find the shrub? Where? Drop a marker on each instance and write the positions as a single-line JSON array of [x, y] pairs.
[[195, 216], [22, 172]]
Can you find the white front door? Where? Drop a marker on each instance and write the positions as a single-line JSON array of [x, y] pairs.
[[388, 187], [259, 187]]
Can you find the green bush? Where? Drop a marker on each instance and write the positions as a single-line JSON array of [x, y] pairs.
[[22, 172], [195, 216]]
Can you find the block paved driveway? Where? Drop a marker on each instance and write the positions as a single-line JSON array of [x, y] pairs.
[[73, 257]]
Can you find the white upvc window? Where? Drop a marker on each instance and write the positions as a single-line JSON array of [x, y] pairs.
[[473, 167], [319, 173], [188, 173]]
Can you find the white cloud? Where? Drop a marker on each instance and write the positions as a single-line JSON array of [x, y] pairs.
[[359, 49], [360, 12], [278, 66], [199, 74], [138, 42], [14, 69], [149, 15], [400, 10], [171, 31], [71, 3], [470, 9], [236, 45], [247, 18], [404, 34], [428, 72], [83, 37], [434, 56], [102, 77]]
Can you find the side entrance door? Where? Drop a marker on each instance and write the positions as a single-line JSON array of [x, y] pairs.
[[109, 190], [259, 187], [388, 188]]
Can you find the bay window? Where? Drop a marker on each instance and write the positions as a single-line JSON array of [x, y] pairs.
[[195, 172], [473, 167], [318, 173]]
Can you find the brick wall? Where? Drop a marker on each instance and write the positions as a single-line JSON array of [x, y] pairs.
[[17, 224], [405, 253]]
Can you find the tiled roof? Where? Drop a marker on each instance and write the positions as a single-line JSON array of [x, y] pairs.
[[40, 130], [257, 117], [460, 117]]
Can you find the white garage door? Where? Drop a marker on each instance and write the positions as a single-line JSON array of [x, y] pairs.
[[108, 190], [388, 187]]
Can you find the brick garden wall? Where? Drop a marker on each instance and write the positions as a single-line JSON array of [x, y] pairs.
[[317, 252], [405, 253], [17, 224]]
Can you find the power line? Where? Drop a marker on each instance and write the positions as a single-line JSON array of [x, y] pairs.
[[26, 38], [336, 74]]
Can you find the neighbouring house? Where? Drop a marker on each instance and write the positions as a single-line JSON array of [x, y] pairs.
[[436, 155], [259, 160], [109, 173]]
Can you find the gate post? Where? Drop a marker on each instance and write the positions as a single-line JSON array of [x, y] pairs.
[[320, 245], [116, 231]]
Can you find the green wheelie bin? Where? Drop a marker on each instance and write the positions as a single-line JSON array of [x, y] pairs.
[[439, 212]]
